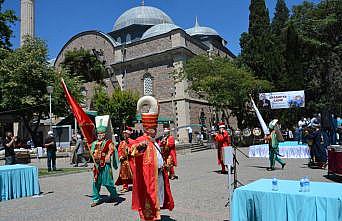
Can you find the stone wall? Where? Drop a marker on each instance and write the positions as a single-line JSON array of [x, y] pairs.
[[194, 47], [89, 41], [162, 80], [195, 110], [144, 48]]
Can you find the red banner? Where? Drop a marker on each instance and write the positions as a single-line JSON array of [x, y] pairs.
[[83, 120]]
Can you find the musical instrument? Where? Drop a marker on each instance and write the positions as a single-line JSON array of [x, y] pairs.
[[237, 132], [257, 132], [246, 132]]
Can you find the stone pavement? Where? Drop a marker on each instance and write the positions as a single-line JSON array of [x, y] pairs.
[[200, 193]]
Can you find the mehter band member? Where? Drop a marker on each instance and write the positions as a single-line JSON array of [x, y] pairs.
[[151, 187]]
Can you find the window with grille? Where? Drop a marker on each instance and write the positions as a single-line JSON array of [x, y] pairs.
[[148, 84]]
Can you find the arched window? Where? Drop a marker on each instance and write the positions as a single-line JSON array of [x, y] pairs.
[[148, 84]]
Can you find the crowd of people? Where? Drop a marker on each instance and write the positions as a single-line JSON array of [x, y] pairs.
[[319, 132]]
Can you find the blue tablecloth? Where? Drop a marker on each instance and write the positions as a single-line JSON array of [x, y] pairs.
[[18, 181], [257, 202]]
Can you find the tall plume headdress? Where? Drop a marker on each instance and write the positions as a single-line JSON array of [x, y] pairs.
[[150, 119]]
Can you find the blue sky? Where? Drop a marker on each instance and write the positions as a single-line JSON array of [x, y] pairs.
[[58, 20]]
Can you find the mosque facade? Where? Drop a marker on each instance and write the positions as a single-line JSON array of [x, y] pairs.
[[143, 52]]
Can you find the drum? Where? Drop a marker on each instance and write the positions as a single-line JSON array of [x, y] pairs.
[[335, 159], [237, 132], [257, 132], [246, 132]]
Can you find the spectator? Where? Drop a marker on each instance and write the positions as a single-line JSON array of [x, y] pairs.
[[80, 151], [50, 146], [189, 133], [290, 134], [301, 124], [9, 148]]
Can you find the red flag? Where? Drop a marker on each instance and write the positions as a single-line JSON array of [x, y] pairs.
[[83, 120]]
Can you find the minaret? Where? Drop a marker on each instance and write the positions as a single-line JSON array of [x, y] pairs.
[[26, 19]]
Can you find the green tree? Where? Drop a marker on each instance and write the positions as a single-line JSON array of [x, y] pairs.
[[120, 105], [81, 62], [255, 48], [100, 100], [6, 19], [74, 84], [281, 16], [277, 61], [319, 30], [224, 85], [25, 73]]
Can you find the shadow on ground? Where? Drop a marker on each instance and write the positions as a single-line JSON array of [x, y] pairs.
[[108, 199], [219, 172], [335, 178], [166, 218]]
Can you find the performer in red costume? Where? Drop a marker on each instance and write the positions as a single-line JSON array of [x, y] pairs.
[[126, 162], [223, 140], [151, 187], [169, 152]]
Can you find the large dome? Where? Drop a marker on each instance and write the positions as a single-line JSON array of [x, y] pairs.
[[200, 30], [159, 29], [142, 15]]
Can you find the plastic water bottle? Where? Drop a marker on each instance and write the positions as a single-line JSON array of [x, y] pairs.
[[274, 184], [301, 185], [306, 184]]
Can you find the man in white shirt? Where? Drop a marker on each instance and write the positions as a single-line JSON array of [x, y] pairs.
[[189, 133], [301, 124]]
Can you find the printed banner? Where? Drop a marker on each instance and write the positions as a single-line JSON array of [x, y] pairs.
[[279, 100]]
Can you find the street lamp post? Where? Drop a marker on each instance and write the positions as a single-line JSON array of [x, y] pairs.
[[50, 90]]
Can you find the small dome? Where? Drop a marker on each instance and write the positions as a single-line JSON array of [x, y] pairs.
[[199, 30], [142, 15], [159, 29]]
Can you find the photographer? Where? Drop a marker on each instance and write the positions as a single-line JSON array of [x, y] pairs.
[[9, 148]]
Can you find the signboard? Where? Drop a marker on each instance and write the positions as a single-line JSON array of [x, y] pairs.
[[279, 100], [62, 135]]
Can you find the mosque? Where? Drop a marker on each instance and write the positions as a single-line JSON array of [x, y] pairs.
[[143, 52]]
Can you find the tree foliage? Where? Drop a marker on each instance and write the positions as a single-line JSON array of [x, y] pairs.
[[223, 84], [74, 84], [255, 44], [120, 105], [318, 28], [7, 18], [301, 51], [83, 63], [25, 73]]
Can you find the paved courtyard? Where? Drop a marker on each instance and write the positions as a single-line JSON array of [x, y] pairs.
[[200, 193]]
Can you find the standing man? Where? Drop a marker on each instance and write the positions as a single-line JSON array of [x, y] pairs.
[[274, 138], [223, 140], [50, 146], [9, 148], [301, 124], [105, 156], [151, 187], [80, 151], [189, 133], [126, 163], [169, 153]]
